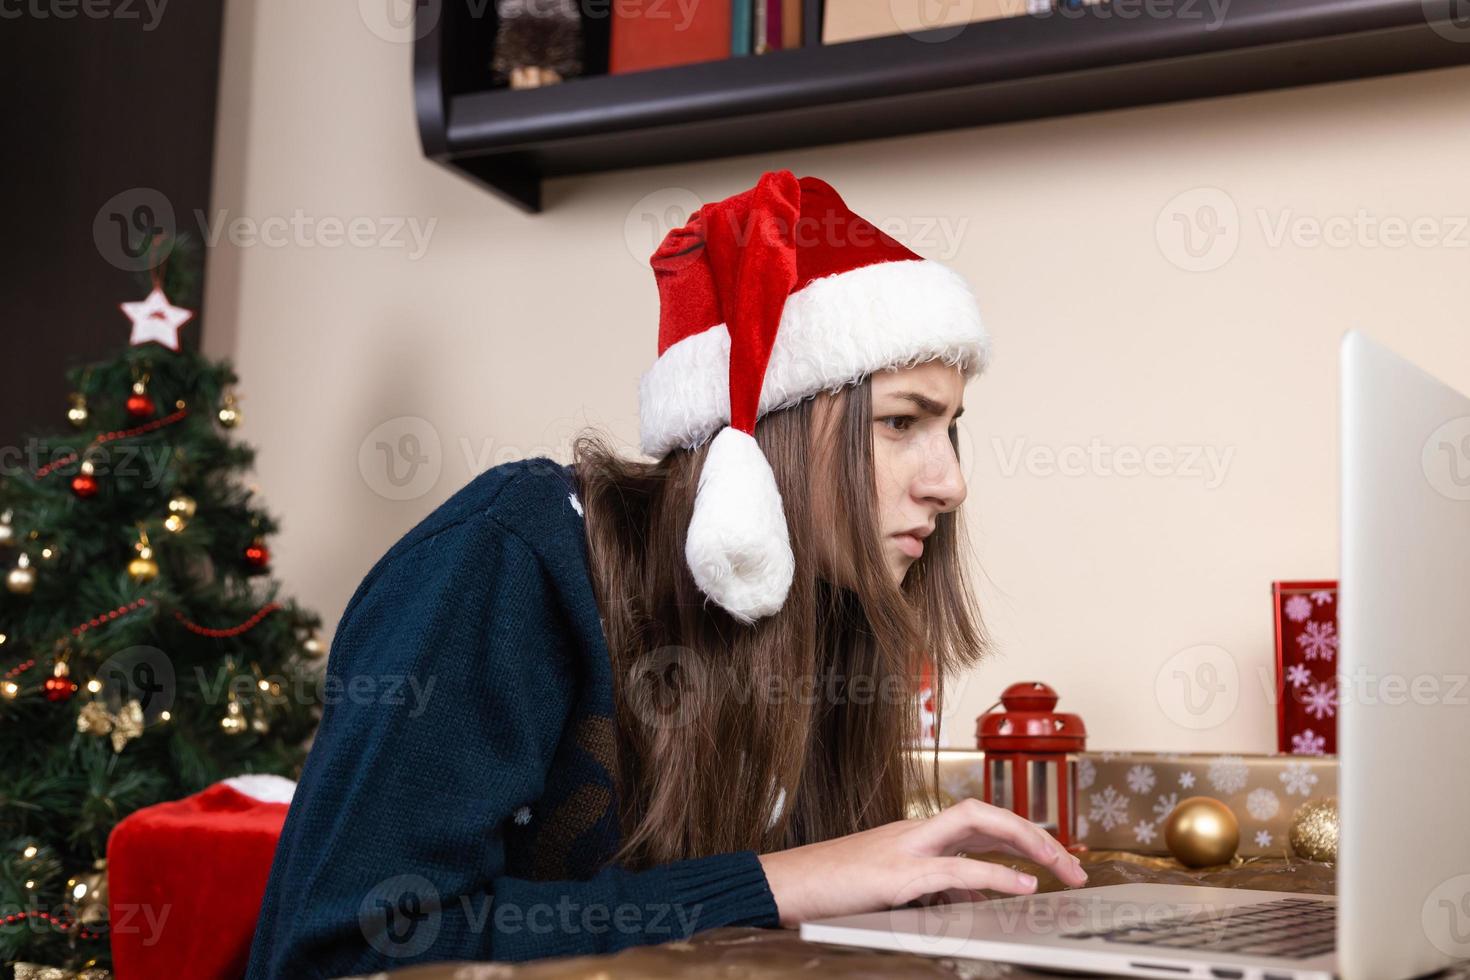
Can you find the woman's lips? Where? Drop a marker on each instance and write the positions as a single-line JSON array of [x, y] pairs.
[[909, 545]]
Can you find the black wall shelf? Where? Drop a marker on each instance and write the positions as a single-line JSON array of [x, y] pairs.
[[992, 71]]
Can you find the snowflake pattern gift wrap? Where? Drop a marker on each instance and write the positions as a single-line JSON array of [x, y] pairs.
[[1306, 667], [1123, 798]]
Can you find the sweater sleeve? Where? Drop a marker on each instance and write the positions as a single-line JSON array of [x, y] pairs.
[[446, 692]]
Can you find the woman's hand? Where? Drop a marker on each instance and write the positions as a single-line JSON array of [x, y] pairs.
[[905, 860]]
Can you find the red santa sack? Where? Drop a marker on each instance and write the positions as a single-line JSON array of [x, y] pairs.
[[185, 879]]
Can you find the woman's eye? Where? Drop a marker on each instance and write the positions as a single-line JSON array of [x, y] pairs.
[[907, 420]]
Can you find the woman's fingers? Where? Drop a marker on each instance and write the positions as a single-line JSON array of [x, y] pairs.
[[979, 826], [956, 874]]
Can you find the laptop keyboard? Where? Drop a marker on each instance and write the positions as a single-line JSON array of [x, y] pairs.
[[1294, 928]]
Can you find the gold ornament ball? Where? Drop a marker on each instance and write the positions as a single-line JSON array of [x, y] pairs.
[[77, 414], [183, 505], [229, 415], [313, 646], [143, 569], [7, 533], [1202, 831], [22, 578], [1314, 830]]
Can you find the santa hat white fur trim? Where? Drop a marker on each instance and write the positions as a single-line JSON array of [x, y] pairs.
[[738, 546], [833, 332], [266, 787]]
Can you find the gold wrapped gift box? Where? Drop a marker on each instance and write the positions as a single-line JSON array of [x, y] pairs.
[[1121, 798]]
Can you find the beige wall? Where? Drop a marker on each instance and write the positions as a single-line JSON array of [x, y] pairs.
[[510, 330]]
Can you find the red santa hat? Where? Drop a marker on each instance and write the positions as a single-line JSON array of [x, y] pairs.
[[766, 298]]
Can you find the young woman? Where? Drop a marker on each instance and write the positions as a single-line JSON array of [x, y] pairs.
[[640, 699]]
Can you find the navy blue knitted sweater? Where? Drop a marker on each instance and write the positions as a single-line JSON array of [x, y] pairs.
[[458, 800]]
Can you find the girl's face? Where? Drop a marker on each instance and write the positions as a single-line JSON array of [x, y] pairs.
[[917, 474]]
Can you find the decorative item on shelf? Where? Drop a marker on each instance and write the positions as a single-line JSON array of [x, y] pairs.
[[229, 412], [84, 484], [1307, 687], [1315, 830], [1027, 769], [537, 43], [140, 404], [7, 530], [1201, 831], [22, 578], [77, 413], [1125, 797], [59, 686], [181, 508], [143, 568]]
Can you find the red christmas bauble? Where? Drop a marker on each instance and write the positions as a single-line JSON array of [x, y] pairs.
[[140, 406], [257, 555], [59, 688], [84, 485]]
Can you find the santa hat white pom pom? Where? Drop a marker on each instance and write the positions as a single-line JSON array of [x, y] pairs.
[[738, 547]]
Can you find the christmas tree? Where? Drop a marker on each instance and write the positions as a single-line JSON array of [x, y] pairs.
[[144, 651]]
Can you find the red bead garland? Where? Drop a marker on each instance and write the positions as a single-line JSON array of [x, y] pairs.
[[250, 623], [61, 924], [108, 616], [110, 436]]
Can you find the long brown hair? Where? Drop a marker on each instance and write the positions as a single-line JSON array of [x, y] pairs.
[[809, 714]]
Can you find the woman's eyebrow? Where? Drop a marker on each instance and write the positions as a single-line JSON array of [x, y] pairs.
[[925, 403]]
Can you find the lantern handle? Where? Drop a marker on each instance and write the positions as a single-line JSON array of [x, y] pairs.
[[989, 709]]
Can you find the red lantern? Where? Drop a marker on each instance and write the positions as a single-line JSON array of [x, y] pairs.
[[1027, 769]]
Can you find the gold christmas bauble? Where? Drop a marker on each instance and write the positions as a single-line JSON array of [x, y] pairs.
[[1314, 830], [7, 530], [313, 646], [77, 413], [183, 505], [22, 578], [89, 891], [1201, 831], [142, 569]]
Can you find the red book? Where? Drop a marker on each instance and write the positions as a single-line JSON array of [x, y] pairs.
[[1307, 687], [659, 33]]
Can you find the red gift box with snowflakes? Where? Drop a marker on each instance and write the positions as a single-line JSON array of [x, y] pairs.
[[1123, 798], [1306, 667]]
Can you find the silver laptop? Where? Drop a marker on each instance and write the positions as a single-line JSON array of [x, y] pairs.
[[1402, 907]]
